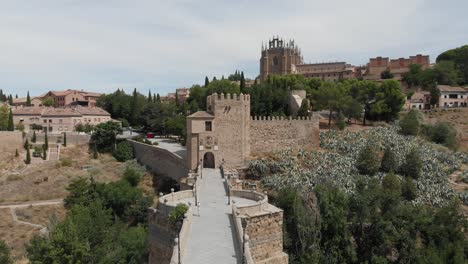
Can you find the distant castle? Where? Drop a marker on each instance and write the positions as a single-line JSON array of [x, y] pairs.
[[281, 57]]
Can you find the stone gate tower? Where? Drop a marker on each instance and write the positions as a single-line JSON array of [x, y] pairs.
[[221, 133], [279, 57]]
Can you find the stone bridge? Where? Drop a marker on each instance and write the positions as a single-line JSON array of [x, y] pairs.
[[228, 226]]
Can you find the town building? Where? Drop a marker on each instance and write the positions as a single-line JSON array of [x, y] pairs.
[[227, 134], [58, 120], [35, 101], [397, 67], [72, 97], [451, 96], [281, 57], [418, 100]]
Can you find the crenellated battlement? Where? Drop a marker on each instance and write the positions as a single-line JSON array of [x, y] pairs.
[[283, 118], [228, 96]]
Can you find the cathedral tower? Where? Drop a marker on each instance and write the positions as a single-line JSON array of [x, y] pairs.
[[279, 57]]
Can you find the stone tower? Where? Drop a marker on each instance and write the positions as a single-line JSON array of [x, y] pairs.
[[222, 133], [279, 57]]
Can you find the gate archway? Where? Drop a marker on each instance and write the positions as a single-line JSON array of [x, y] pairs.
[[209, 160]]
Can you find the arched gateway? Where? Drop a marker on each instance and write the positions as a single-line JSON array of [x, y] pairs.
[[209, 160]]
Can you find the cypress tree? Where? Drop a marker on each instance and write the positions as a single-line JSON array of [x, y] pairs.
[[16, 96], [44, 152], [28, 155], [64, 139], [133, 115], [11, 125], [28, 100], [26, 144], [242, 82], [222, 77], [154, 98], [177, 98], [95, 153], [158, 98], [214, 78], [206, 81], [10, 99], [46, 141], [150, 98], [413, 164], [1, 96], [34, 138]]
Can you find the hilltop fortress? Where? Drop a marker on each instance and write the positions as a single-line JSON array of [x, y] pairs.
[[227, 134]]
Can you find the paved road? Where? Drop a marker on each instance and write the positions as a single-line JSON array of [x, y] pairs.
[[212, 240], [171, 145]]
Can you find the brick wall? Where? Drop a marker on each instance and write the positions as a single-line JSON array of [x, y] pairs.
[[280, 134]]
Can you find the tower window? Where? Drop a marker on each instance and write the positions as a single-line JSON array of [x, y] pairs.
[[275, 61], [208, 126]]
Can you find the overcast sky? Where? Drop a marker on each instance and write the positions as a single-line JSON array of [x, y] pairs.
[[102, 45]]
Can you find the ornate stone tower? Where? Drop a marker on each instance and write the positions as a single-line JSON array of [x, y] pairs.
[[279, 57]]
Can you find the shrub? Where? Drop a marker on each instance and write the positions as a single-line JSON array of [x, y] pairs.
[[412, 165], [66, 162], [177, 214], [368, 161], [391, 183], [341, 122], [389, 163], [124, 151], [409, 189], [4, 253], [411, 123], [133, 174], [443, 133]]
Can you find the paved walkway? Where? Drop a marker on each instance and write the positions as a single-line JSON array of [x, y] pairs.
[[212, 238]]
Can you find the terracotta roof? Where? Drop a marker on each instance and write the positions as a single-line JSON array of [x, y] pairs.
[[447, 88], [28, 110], [50, 111], [201, 114], [63, 93], [23, 99], [92, 111]]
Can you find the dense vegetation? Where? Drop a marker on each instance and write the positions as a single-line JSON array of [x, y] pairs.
[[105, 223], [335, 212]]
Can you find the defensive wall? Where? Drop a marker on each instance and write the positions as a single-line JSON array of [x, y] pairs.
[[160, 161], [270, 134]]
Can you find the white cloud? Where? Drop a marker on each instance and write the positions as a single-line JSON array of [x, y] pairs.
[[161, 45]]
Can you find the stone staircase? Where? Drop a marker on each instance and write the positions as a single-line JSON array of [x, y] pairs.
[[54, 152]]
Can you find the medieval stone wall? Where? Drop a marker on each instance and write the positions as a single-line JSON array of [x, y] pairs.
[[160, 161], [275, 134], [266, 238]]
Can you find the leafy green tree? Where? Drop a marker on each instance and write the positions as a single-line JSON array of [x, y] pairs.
[[133, 175], [123, 151], [28, 100], [389, 101], [11, 125], [177, 214], [4, 117], [409, 189], [368, 161], [410, 124], [336, 238], [389, 162], [4, 253], [328, 97], [104, 136], [413, 76], [443, 133], [386, 75], [412, 165], [459, 56], [341, 122], [391, 187], [351, 108], [48, 101]]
